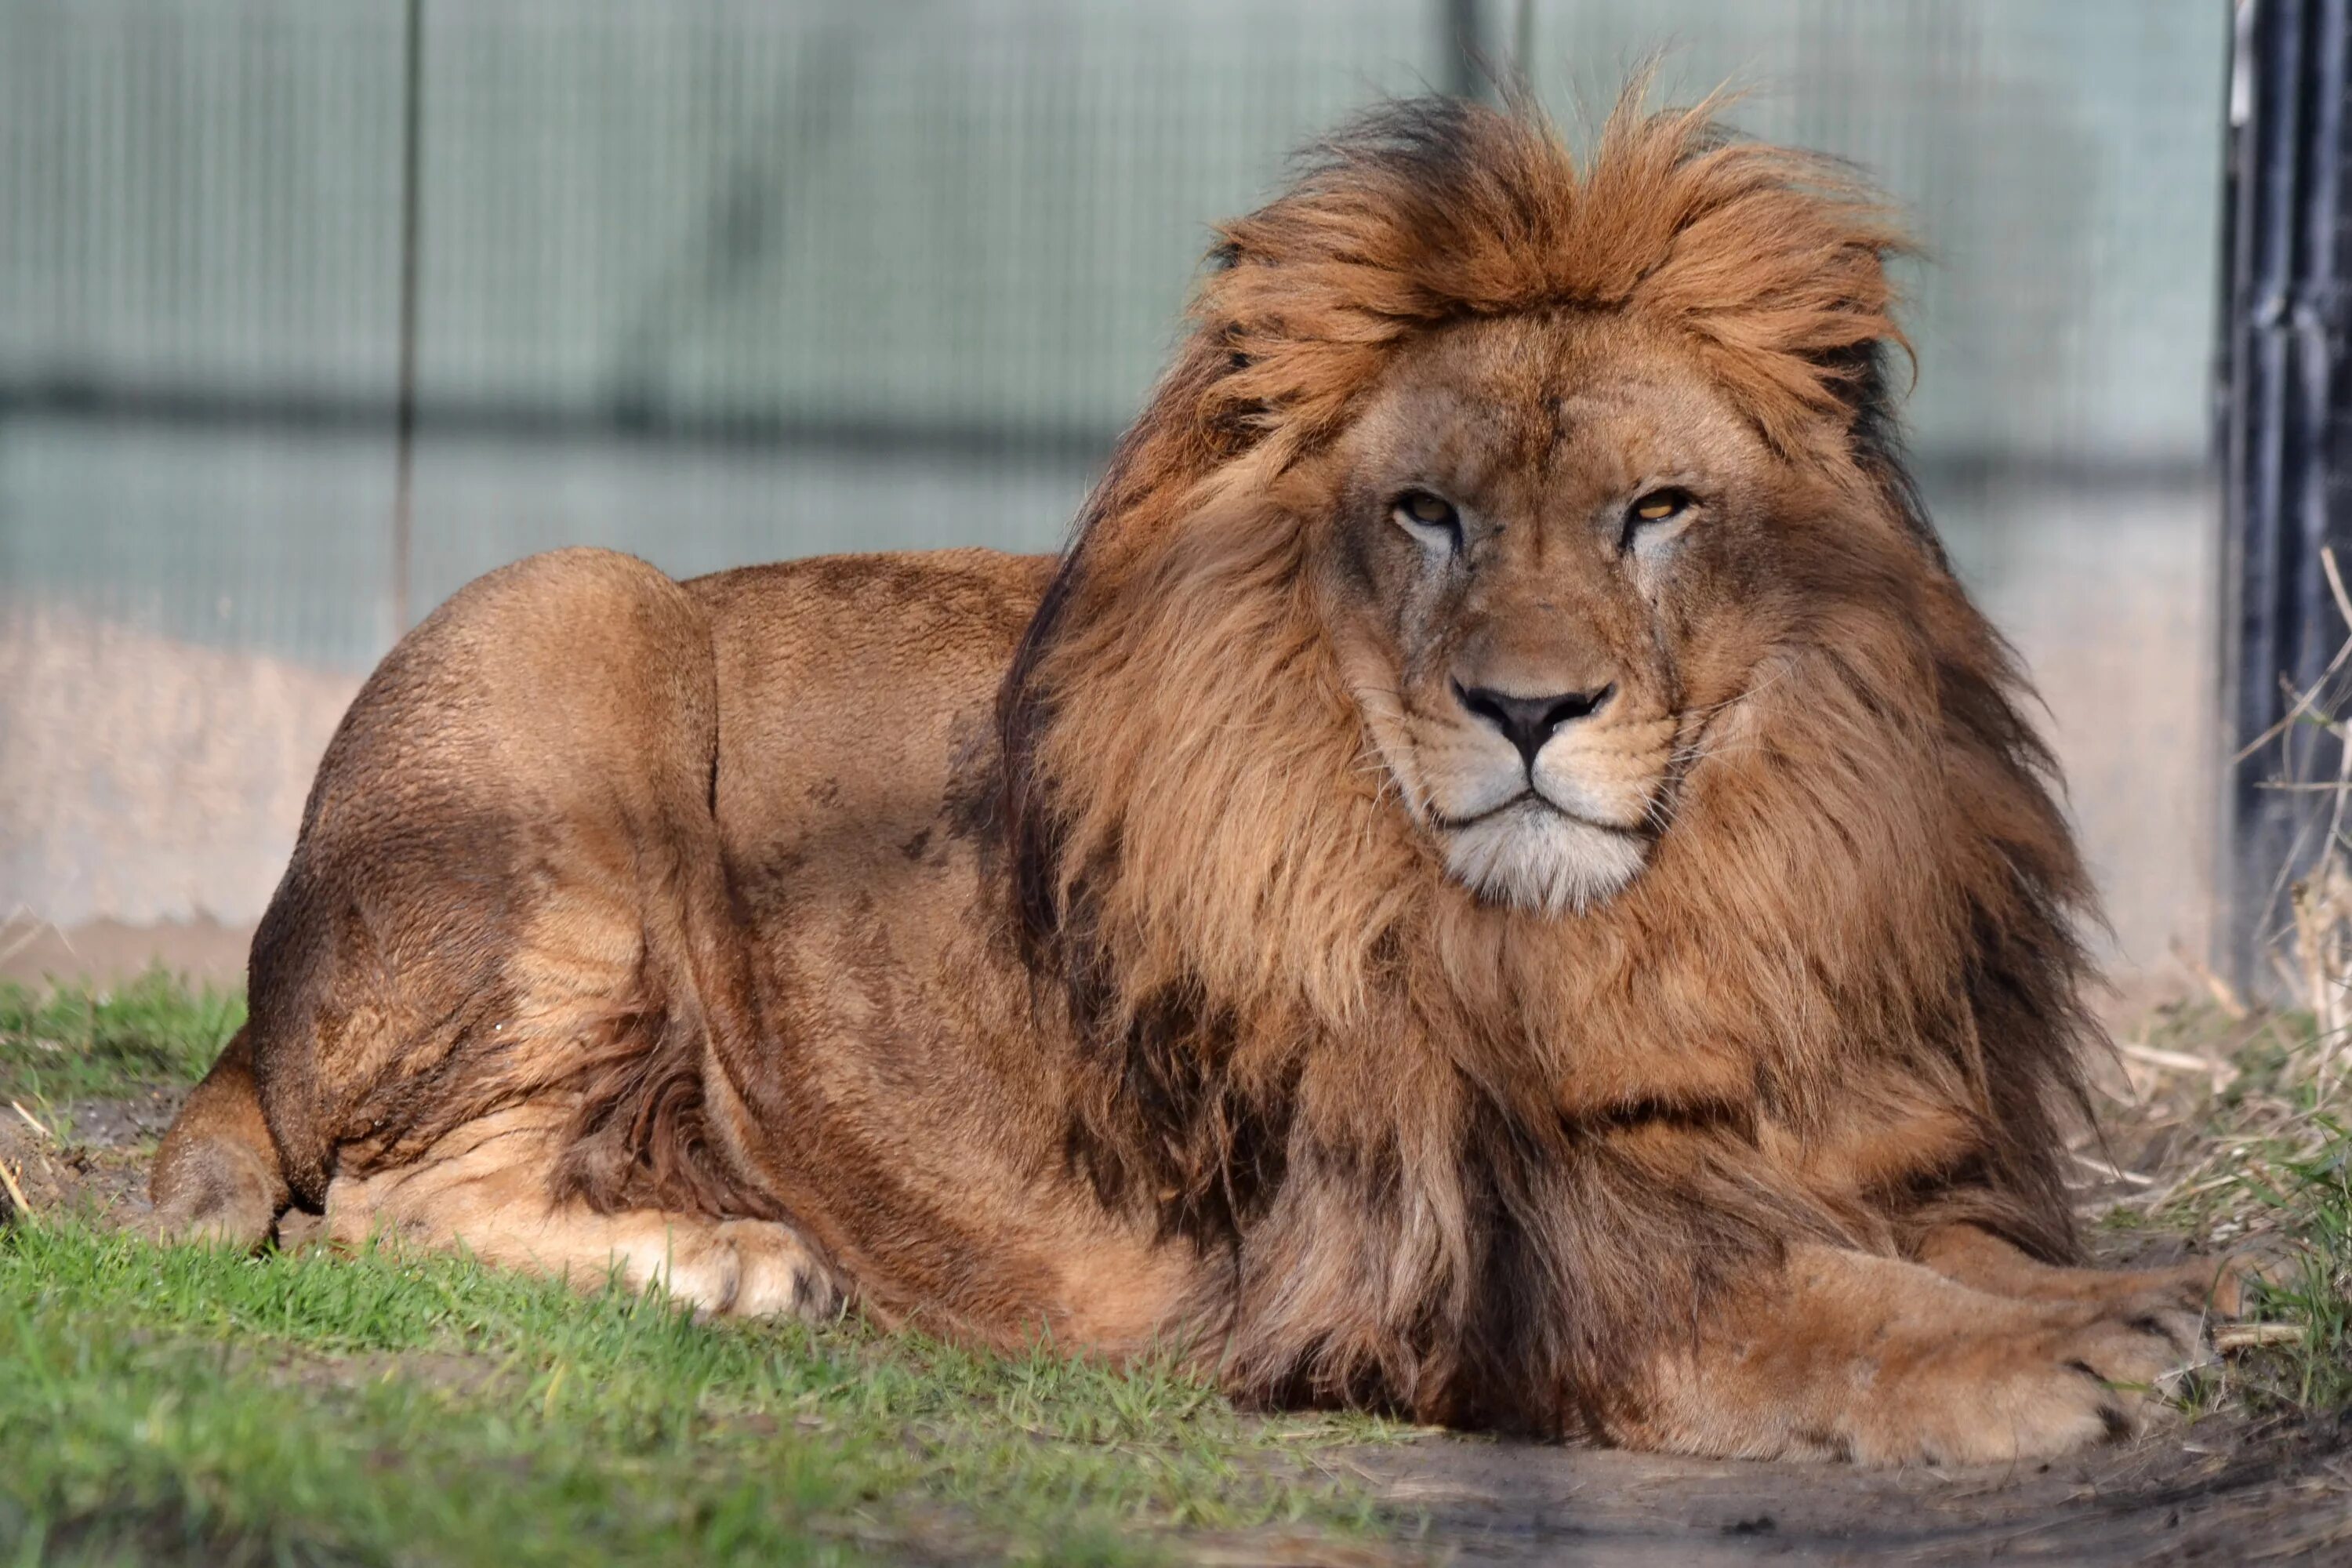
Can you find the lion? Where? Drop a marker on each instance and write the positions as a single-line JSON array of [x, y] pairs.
[[1500, 876]]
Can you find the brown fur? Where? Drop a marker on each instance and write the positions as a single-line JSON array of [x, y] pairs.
[[1020, 945]]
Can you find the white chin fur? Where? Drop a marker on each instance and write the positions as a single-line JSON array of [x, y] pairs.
[[1538, 860]]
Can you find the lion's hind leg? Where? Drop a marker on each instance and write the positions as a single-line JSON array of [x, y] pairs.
[[217, 1177], [485, 1189]]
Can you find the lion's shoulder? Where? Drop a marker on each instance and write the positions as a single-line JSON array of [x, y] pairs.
[[850, 686]]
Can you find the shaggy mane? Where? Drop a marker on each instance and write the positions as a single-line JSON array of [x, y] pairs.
[[1505, 1152]]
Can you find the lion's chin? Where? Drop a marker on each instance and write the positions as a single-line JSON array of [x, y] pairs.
[[1536, 858]]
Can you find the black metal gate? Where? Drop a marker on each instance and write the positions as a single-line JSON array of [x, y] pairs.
[[2285, 410]]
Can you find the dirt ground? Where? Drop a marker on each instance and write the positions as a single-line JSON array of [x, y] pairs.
[[2210, 1493], [2218, 1490]]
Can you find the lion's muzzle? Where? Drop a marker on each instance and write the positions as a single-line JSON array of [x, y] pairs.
[[1556, 816]]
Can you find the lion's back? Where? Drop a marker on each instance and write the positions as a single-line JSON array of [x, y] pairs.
[[893, 604]]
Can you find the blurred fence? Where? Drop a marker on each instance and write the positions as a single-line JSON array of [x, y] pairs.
[[718, 281]]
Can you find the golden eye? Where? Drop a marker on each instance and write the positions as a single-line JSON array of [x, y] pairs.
[[1659, 505], [1430, 516]]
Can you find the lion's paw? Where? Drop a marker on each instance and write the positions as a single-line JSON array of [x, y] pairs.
[[212, 1194], [777, 1275], [2039, 1393], [748, 1269]]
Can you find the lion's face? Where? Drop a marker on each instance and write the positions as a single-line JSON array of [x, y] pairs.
[[1543, 557]]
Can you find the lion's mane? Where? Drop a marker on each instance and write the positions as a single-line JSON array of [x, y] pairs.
[[1469, 1159]]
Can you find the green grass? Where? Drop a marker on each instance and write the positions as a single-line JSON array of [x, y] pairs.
[[2312, 1194], [192, 1405], [196, 1406], [73, 1042]]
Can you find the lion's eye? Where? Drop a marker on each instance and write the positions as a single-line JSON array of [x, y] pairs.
[[1657, 506], [1429, 518]]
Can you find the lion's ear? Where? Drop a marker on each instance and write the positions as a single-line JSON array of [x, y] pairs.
[[1859, 373], [1856, 374]]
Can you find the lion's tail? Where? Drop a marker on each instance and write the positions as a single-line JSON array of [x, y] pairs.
[[218, 1177]]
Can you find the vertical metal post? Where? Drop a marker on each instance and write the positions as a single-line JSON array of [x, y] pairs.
[[2286, 436], [404, 406], [1463, 23]]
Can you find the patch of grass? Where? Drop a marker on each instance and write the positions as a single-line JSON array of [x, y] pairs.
[[194, 1405], [2268, 1165], [2248, 1153], [2312, 1290], [72, 1042]]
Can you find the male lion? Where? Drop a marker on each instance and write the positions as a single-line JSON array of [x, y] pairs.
[[1499, 875]]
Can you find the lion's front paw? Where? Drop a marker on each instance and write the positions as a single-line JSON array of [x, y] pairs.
[[2033, 1393], [776, 1273]]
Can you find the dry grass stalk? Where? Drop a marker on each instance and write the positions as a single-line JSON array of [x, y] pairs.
[[2321, 908], [2225, 994], [2321, 903], [2246, 1336]]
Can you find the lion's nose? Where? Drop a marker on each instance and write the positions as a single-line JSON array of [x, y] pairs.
[[1528, 721]]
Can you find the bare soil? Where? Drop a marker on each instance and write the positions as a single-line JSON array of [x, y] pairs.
[[2215, 1491], [90, 1157]]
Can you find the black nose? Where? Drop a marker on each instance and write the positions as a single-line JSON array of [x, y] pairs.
[[1528, 721]]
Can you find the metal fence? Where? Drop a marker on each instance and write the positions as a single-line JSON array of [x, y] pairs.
[[2287, 436], [717, 280]]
